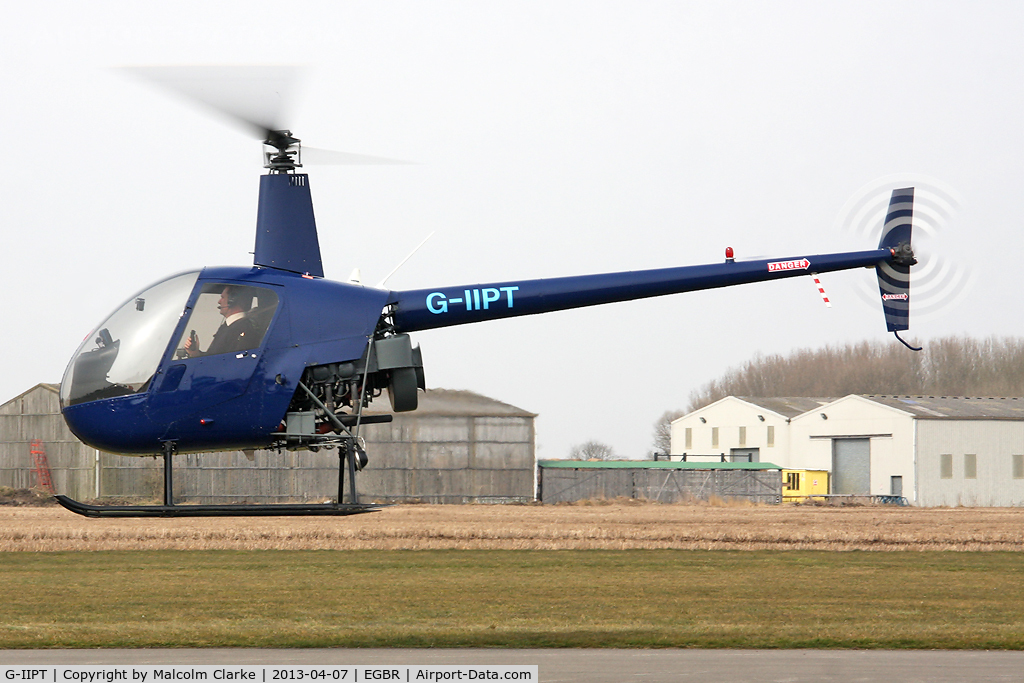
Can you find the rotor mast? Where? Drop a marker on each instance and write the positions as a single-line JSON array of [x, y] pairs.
[[286, 236]]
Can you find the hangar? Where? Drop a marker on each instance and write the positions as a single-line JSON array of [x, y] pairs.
[[932, 450], [457, 447]]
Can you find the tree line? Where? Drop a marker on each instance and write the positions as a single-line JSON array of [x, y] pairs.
[[948, 366]]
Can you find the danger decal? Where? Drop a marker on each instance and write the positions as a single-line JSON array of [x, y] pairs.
[[800, 264]]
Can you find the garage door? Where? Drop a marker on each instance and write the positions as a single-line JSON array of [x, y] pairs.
[[851, 472]]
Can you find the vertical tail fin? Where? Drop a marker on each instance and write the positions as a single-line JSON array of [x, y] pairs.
[[894, 275]]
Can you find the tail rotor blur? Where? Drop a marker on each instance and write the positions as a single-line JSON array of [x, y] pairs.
[[943, 276], [894, 275]]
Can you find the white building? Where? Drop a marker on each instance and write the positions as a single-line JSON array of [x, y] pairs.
[[932, 450], [741, 429]]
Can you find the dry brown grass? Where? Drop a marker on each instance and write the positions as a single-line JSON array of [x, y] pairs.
[[616, 525]]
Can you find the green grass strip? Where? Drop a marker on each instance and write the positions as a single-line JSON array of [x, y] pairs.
[[517, 599]]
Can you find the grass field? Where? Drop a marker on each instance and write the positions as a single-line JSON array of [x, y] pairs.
[[612, 526], [637, 598], [610, 575]]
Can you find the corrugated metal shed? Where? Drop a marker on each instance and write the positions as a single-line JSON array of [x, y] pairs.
[[565, 481], [35, 414], [654, 465], [460, 402], [457, 447]]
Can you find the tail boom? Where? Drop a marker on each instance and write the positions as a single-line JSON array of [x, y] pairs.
[[424, 309]]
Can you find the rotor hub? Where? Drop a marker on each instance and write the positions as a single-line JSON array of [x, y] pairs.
[[285, 151], [903, 254]]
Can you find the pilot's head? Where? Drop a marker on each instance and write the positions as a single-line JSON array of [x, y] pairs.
[[233, 300]]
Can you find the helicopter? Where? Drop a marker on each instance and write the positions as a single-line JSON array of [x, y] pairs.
[[276, 356]]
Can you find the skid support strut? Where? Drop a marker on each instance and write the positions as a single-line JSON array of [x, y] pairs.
[[348, 455], [352, 454], [168, 474]]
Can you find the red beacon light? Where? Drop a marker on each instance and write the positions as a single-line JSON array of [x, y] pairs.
[[729, 258]]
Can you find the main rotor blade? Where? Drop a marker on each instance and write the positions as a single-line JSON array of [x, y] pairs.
[[327, 157], [254, 96]]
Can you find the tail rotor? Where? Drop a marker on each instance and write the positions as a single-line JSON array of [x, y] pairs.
[[894, 276]]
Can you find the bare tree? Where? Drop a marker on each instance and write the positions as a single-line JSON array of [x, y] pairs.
[[949, 366], [592, 450], [663, 430]]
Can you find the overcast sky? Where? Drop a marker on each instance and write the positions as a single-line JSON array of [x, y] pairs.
[[551, 138]]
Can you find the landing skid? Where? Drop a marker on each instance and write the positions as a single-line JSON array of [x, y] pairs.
[[282, 509], [347, 460]]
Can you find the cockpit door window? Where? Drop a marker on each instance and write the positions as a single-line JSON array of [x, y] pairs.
[[226, 318]]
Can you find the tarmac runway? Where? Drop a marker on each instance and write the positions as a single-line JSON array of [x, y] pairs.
[[603, 666]]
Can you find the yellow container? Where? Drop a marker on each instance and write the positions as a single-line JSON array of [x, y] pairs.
[[798, 485]]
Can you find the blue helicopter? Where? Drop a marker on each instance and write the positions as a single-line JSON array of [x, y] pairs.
[[275, 356]]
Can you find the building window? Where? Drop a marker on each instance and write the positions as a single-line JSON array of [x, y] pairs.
[[946, 465], [714, 437], [689, 438], [970, 466], [771, 437], [1018, 465], [743, 436]]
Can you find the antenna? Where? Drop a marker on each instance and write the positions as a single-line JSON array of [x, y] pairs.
[[380, 285], [821, 290]]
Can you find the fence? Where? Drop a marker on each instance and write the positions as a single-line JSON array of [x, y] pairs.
[[564, 481]]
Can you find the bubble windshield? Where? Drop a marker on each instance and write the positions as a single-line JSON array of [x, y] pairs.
[[121, 356]]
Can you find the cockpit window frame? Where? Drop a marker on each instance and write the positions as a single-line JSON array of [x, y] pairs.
[[207, 286]]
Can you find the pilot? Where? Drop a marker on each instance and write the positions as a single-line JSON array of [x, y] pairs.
[[236, 333]]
